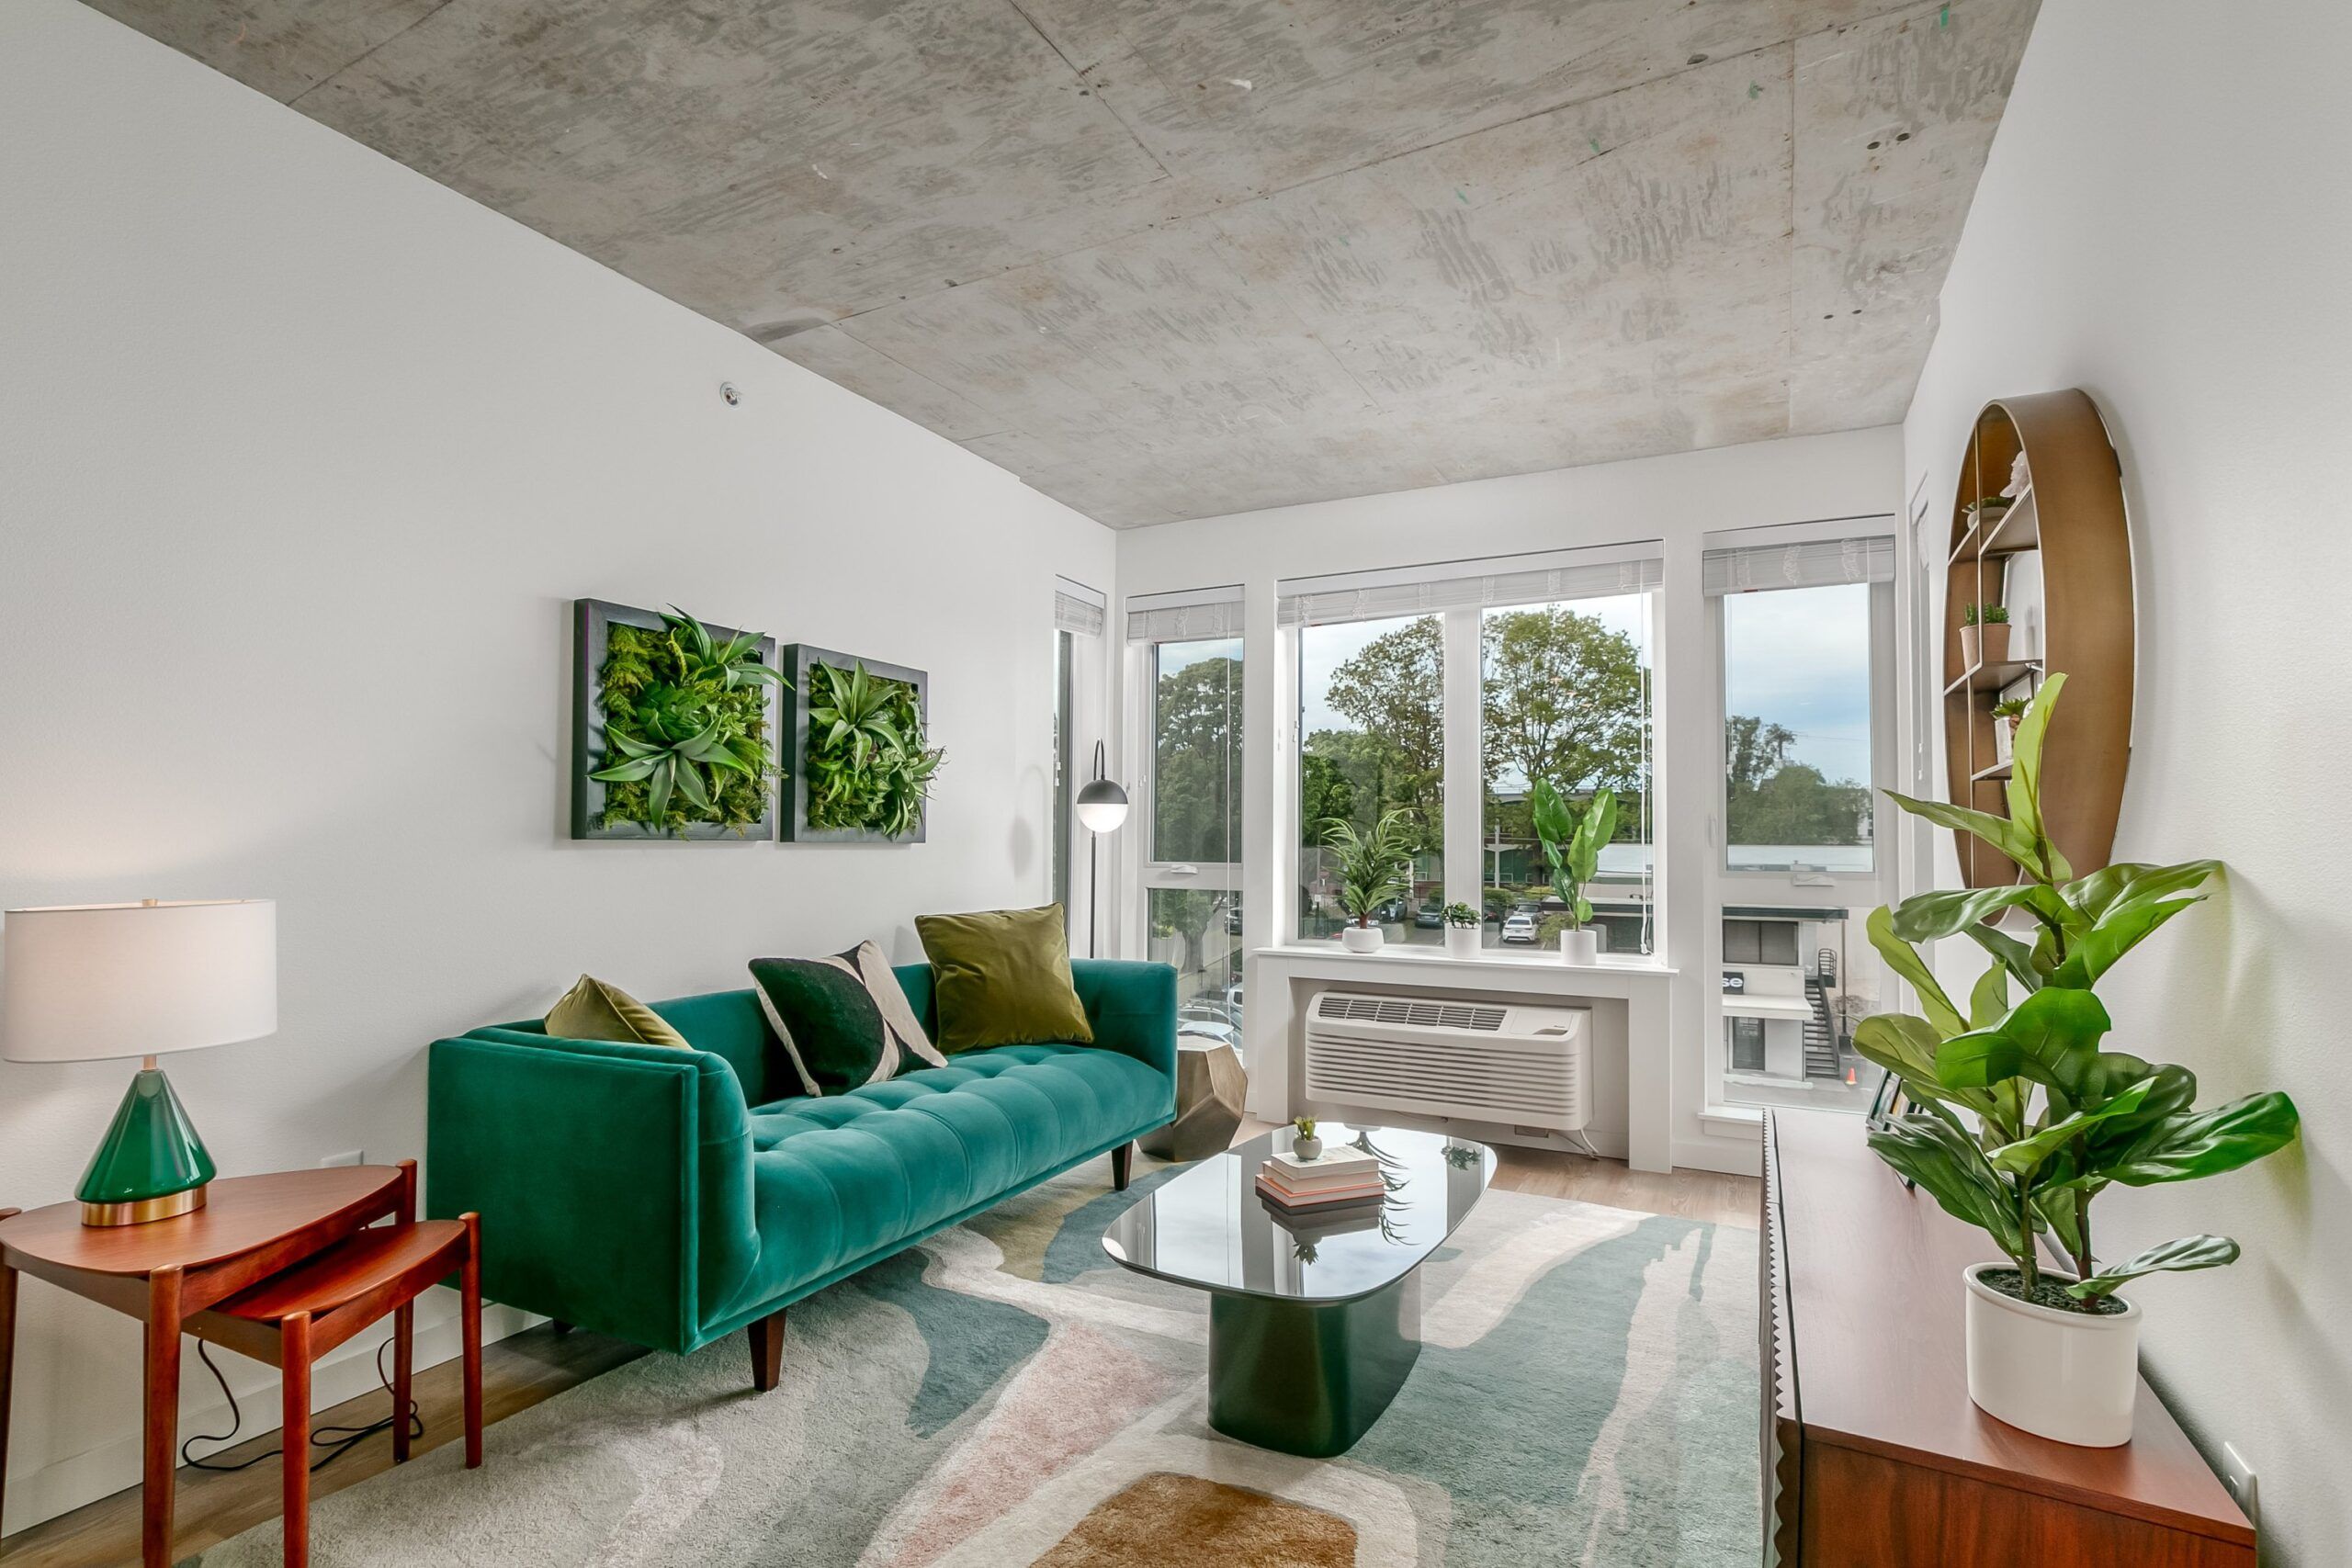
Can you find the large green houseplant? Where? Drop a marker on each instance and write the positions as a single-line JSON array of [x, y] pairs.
[[1572, 841], [686, 726], [1373, 868], [2023, 1119]]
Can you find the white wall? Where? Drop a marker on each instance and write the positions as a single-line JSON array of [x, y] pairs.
[[1677, 499], [2165, 222], [304, 459]]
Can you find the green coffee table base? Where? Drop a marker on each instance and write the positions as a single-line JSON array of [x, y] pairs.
[[1309, 1378]]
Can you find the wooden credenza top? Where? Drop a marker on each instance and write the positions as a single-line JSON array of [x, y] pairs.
[[1867, 1292]]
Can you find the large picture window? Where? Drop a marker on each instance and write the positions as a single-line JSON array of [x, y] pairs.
[[1188, 656], [1446, 692]]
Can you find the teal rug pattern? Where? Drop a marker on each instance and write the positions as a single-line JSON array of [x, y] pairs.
[[1004, 1396]]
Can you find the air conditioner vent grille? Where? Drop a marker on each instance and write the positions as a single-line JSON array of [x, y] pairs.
[[1411, 1011]]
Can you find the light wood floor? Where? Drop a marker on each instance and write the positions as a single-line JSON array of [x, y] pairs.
[[521, 1370]]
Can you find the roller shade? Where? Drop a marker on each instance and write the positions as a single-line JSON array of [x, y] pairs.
[[1194, 615], [1817, 563], [1076, 608], [1544, 579]]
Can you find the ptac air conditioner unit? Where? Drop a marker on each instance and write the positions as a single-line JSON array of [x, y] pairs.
[[1518, 1066]]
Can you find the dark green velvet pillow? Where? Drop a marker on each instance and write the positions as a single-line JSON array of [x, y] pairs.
[[842, 1020], [1002, 978]]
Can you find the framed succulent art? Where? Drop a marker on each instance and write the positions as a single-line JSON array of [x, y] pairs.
[[858, 766]]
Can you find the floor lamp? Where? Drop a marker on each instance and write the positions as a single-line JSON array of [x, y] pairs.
[[1102, 807]]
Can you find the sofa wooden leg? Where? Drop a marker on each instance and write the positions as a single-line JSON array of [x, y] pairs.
[[768, 1351], [1122, 1162], [558, 1325]]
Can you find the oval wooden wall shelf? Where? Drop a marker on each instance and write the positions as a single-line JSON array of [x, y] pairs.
[[2062, 551]]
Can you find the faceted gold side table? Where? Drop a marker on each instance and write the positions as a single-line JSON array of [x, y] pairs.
[[1211, 1086]]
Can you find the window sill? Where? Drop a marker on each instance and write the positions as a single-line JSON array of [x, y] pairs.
[[1488, 958], [1733, 1120]]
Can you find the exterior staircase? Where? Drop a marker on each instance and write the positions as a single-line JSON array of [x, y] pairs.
[[1820, 1034]]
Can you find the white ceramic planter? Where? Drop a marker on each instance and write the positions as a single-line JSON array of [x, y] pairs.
[[1360, 939], [1582, 946], [1462, 941], [1307, 1148], [2060, 1375]]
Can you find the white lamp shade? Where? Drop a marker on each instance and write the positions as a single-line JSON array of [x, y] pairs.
[[82, 983], [1101, 816]]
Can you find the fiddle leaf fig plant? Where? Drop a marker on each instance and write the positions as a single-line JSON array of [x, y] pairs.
[[686, 725], [1374, 867], [868, 766], [1572, 841], [2027, 1118]]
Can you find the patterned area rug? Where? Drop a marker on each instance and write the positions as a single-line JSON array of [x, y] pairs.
[[1005, 1396]]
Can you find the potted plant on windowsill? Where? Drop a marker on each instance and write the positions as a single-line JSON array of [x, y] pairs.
[[1984, 635], [1373, 868], [1572, 841], [2023, 1119], [1462, 924]]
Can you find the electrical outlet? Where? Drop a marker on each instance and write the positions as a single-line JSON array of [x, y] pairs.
[[348, 1157], [2238, 1476]]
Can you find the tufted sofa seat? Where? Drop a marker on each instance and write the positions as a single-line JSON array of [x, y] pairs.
[[662, 1196]]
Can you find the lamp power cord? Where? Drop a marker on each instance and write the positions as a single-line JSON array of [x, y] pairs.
[[336, 1441]]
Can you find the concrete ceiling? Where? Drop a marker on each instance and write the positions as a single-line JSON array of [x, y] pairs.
[[1171, 258]]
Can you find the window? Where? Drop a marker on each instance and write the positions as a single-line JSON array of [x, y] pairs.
[[1189, 660], [1805, 629], [1077, 624], [1064, 658], [1445, 691], [1372, 728], [1565, 695]]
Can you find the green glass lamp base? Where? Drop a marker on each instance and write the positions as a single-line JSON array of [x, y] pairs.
[[151, 1165], [1310, 1378]]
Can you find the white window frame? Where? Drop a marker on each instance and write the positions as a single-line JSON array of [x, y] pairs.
[[1142, 705], [1855, 892]]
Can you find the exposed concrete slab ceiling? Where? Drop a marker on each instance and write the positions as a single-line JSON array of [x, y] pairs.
[[1171, 258]]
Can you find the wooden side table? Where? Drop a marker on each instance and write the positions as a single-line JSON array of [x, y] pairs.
[[166, 1271]]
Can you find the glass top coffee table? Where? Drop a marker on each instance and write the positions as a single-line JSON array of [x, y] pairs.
[[1314, 1319]]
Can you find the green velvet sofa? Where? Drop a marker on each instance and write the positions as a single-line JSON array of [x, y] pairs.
[[671, 1197]]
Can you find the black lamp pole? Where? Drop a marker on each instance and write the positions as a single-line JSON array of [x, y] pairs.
[[1102, 807]]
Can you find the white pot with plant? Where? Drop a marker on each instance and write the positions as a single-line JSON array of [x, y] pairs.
[[2006, 713], [1462, 924], [1305, 1144], [2022, 1120], [1375, 869], [1984, 635], [1572, 841]]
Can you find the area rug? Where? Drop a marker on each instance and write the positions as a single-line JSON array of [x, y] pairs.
[[1005, 1396]]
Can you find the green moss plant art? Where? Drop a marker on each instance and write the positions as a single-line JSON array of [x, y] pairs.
[[868, 769], [686, 726]]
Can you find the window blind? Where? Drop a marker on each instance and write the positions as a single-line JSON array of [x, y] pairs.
[[1076, 608], [1471, 584], [1194, 616], [1816, 563]]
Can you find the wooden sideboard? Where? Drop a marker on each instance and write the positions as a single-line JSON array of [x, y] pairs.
[[1873, 1456]]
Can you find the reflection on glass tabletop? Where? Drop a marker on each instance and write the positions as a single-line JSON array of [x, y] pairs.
[[1207, 1227]]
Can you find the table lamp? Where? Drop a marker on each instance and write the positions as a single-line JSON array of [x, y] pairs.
[[91, 981], [1102, 807]]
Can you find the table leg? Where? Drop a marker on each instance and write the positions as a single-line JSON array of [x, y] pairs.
[[162, 1422], [469, 1285], [295, 1436], [404, 1354], [1310, 1376], [7, 1358]]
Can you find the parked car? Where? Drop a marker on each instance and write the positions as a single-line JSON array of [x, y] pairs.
[[1201, 1029], [1233, 1004], [1520, 926], [1429, 916], [1205, 1009]]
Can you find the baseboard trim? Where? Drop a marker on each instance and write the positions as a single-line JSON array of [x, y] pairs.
[[35, 1496]]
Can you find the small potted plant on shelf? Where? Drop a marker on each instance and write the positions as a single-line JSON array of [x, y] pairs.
[[1572, 841], [1373, 868], [1988, 509], [1460, 931], [1306, 1146], [2022, 1119], [1984, 635]]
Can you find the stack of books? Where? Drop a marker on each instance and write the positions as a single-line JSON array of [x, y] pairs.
[[1340, 1176]]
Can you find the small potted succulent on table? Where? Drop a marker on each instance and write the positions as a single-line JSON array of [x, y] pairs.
[[1984, 635], [1460, 931], [1572, 841], [1306, 1146], [2023, 1117], [1374, 868]]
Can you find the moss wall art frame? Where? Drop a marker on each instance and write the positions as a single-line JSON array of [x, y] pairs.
[[811, 688], [640, 682]]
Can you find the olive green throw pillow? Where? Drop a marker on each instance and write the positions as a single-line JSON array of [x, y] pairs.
[[594, 1010], [1002, 978]]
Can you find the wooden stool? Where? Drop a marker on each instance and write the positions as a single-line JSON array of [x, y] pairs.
[[289, 1320]]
